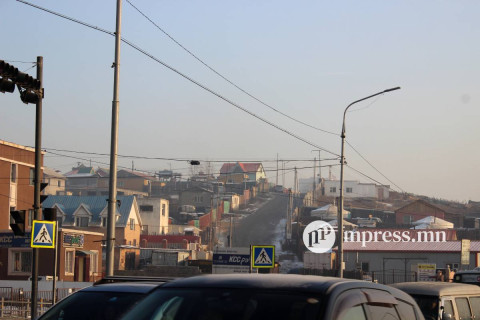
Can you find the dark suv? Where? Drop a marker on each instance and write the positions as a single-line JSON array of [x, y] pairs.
[[274, 296], [102, 301]]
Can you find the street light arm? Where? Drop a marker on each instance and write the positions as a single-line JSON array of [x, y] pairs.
[[351, 104]]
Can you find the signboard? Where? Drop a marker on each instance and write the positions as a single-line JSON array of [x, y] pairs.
[[43, 234], [231, 260], [9, 240], [73, 240], [465, 259], [426, 272], [263, 256]]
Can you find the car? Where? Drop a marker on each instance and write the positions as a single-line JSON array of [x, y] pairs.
[[102, 301], [444, 300], [467, 276], [274, 296]]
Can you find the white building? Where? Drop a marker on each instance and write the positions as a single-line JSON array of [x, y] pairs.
[[154, 213], [355, 189]]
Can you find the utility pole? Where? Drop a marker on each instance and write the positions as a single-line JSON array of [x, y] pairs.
[[283, 173], [112, 193], [231, 231], [288, 230], [276, 180], [37, 189], [314, 179]]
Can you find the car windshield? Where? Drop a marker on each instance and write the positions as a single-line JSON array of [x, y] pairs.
[[428, 305], [231, 304], [93, 305]]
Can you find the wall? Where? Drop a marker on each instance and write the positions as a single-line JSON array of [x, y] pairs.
[[154, 221], [417, 210]]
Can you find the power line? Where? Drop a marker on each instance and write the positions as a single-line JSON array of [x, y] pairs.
[[225, 78], [374, 167], [187, 78]]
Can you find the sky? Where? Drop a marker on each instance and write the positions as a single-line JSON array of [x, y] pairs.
[[308, 60]]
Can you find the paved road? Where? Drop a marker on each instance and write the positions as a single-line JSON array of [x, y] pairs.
[[261, 227]]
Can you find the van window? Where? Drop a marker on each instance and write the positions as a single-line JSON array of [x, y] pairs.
[[448, 307], [354, 313], [406, 310], [463, 309], [428, 305], [475, 303]]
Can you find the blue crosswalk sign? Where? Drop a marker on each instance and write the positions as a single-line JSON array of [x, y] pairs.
[[263, 256], [43, 234]]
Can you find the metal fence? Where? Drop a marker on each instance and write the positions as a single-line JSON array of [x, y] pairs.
[[16, 302], [383, 276]]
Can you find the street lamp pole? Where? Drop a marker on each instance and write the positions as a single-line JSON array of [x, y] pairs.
[[342, 161]]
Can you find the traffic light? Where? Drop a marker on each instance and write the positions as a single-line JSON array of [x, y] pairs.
[[6, 85], [17, 222], [29, 87], [49, 214]]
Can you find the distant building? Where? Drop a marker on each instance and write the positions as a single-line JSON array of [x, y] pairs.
[[420, 209], [241, 172], [154, 213], [355, 189], [56, 182]]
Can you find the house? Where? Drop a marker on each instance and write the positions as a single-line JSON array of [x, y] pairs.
[[155, 215], [199, 197], [241, 172], [420, 209], [17, 172], [89, 213], [355, 189], [56, 182]]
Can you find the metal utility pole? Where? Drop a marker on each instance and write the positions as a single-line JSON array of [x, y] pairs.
[[36, 193], [276, 180], [314, 179], [342, 162], [112, 193], [231, 231], [288, 230]]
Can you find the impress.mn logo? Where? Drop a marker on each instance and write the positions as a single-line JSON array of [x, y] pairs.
[[319, 236]]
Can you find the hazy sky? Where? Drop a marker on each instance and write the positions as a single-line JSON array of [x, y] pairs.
[[307, 59]]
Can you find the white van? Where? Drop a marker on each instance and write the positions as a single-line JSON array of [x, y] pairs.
[[444, 300]]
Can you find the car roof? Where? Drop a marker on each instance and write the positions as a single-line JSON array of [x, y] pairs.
[[287, 282], [437, 288], [128, 287]]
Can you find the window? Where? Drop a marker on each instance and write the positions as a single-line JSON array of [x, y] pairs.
[[365, 266], [333, 189], [146, 208], [406, 310], [463, 308], [198, 199], [163, 209], [355, 313], [59, 183], [448, 307], [94, 262], [59, 220], [475, 303], [135, 242], [81, 221], [30, 217], [104, 222], [21, 261], [349, 190], [13, 173], [132, 224], [407, 219], [32, 176], [69, 261]]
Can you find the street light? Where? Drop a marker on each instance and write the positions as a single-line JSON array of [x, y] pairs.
[[342, 161]]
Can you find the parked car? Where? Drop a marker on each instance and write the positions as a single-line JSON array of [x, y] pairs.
[[101, 301], [274, 296], [467, 276], [444, 300]]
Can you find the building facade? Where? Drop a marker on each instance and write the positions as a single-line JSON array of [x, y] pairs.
[[154, 213]]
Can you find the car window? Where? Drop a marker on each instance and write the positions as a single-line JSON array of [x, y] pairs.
[[463, 309], [379, 312], [231, 304], [448, 308], [354, 313], [428, 304], [93, 305], [406, 310], [475, 304]]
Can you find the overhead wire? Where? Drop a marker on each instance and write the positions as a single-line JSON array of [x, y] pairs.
[[224, 77], [218, 95]]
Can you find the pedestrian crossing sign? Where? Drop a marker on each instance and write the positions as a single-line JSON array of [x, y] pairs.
[[263, 256], [43, 234]]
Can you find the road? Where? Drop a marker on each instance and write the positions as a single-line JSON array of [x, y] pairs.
[[261, 226]]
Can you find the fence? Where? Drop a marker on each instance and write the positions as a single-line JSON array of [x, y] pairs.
[[16, 303], [384, 276]]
